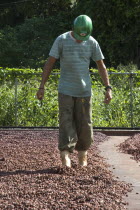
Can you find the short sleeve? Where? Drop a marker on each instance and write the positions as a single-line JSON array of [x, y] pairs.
[[96, 52], [56, 48]]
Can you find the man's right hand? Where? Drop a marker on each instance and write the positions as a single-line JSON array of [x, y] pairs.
[[40, 93], [45, 75]]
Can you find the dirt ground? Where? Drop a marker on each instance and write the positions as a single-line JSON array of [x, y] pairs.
[[132, 146], [32, 177]]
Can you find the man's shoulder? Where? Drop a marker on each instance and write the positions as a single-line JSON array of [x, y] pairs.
[[64, 35], [93, 40]]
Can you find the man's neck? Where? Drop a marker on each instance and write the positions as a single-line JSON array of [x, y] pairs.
[[78, 41]]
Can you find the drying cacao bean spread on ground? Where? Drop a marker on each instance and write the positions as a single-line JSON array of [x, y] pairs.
[[32, 177], [132, 146]]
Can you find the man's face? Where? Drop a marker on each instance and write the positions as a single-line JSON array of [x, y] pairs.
[[78, 41]]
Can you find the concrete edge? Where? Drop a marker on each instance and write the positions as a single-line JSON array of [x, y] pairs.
[[119, 132]]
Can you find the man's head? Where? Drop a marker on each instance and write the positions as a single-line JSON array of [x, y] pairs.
[[82, 27]]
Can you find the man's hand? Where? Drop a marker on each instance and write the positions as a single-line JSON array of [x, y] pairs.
[[104, 75], [108, 96], [45, 75], [40, 93]]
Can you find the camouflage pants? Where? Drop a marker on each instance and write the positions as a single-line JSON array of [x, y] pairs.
[[75, 124]]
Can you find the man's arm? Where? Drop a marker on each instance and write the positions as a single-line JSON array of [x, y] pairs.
[[104, 76], [45, 75], [47, 70]]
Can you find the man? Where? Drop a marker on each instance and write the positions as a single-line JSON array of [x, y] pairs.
[[75, 49]]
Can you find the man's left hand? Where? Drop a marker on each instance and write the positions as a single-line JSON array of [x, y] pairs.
[[108, 96]]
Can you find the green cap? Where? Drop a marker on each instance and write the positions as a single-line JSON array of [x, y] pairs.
[[82, 27]]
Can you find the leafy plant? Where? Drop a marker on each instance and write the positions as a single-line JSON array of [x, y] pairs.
[[20, 107]]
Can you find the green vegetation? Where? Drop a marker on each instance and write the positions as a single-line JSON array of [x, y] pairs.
[[28, 29], [20, 107], [27, 32]]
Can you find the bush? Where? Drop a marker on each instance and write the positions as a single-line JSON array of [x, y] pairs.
[[28, 45], [20, 107]]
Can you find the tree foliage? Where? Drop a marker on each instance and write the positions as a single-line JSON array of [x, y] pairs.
[[28, 44], [116, 26], [29, 27], [14, 12]]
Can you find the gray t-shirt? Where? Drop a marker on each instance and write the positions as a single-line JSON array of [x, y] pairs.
[[74, 63]]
